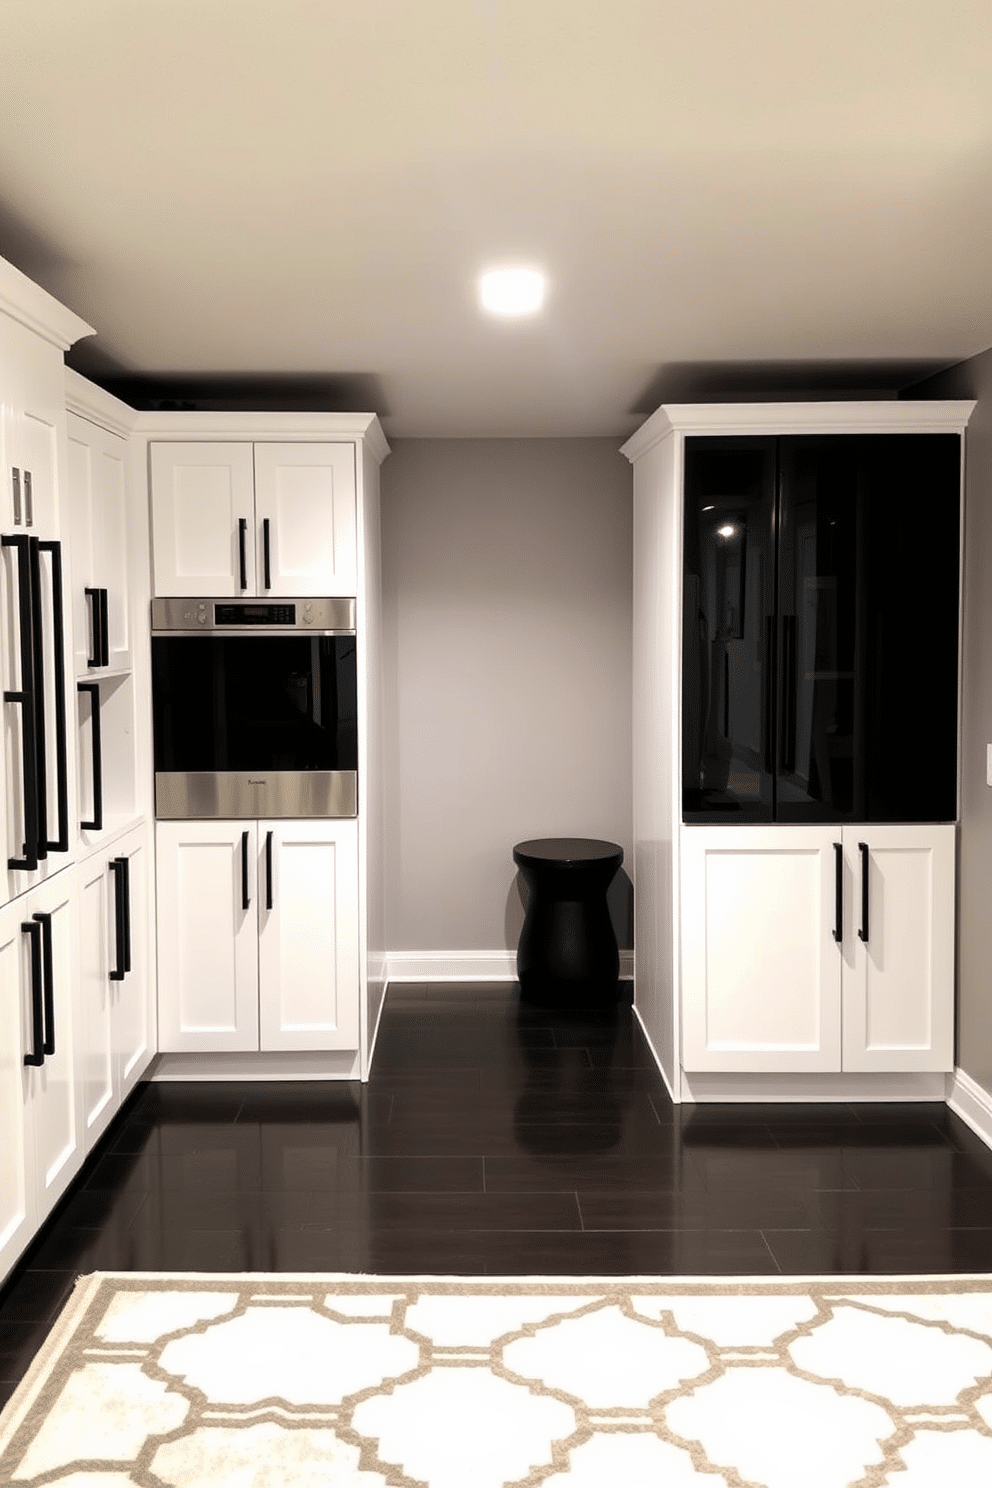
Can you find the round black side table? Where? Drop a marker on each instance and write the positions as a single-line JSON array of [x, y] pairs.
[[567, 955]]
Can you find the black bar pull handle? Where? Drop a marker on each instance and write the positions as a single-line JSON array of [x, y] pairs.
[[36, 1057], [865, 863], [104, 628], [45, 921], [95, 657], [25, 696], [268, 870], [40, 733], [242, 555], [61, 842], [117, 868], [768, 682], [96, 822], [838, 892], [245, 898], [266, 552], [788, 669], [127, 914]]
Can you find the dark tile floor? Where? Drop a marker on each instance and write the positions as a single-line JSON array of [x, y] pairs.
[[495, 1138]]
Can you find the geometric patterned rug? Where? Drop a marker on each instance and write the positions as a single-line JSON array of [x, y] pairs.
[[260, 1381]]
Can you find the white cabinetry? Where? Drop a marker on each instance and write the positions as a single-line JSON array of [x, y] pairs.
[[761, 972], [898, 979], [33, 418], [116, 1037], [258, 935], [40, 1106], [253, 518], [740, 981], [98, 522], [780, 974]]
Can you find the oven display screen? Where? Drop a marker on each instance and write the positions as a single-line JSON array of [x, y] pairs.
[[254, 614]]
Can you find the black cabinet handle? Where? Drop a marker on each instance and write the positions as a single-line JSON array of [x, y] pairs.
[[100, 626], [25, 697], [45, 921], [127, 914], [245, 900], [838, 892], [96, 824], [268, 870], [36, 1057], [768, 682], [104, 627], [61, 842], [95, 658], [15, 476], [118, 867], [265, 552], [865, 862], [242, 556], [40, 739], [789, 690]]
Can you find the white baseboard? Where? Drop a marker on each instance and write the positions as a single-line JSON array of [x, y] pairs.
[[305, 1065], [466, 966], [851, 1086], [972, 1102]]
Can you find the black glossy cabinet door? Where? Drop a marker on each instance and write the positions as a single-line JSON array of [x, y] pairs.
[[820, 628]]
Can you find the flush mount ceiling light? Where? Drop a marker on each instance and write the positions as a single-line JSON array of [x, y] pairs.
[[515, 291]]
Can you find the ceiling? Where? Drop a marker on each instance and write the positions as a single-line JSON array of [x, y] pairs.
[[288, 201]]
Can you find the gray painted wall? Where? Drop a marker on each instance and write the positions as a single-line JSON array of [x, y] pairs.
[[507, 630], [973, 379]]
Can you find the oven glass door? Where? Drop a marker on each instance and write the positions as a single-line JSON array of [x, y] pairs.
[[254, 703]]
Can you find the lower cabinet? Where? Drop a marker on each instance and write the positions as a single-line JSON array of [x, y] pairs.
[[40, 1108], [817, 948], [116, 1039], [258, 935]]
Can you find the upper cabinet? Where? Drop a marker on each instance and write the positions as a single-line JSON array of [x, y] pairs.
[[98, 522], [253, 518]]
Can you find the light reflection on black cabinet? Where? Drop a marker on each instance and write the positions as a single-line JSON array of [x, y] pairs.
[[820, 624]]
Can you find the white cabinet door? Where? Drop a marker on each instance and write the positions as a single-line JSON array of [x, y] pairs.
[[33, 413], [305, 519], [308, 938], [207, 935], [131, 1009], [202, 518], [18, 1204], [899, 976], [54, 1090], [95, 1067], [761, 970], [97, 499]]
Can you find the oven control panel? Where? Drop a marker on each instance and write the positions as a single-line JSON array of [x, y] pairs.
[[194, 616]]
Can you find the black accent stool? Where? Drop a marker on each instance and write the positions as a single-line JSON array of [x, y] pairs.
[[568, 955]]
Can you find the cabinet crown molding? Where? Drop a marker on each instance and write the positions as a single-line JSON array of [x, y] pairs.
[[922, 416], [34, 307], [89, 401], [259, 427]]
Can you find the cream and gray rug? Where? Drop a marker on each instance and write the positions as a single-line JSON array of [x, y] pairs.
[[257, 1381]]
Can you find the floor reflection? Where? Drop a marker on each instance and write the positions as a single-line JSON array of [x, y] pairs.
[[503, 1139]]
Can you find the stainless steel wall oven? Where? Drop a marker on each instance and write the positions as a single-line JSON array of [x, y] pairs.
[[255, 708]]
